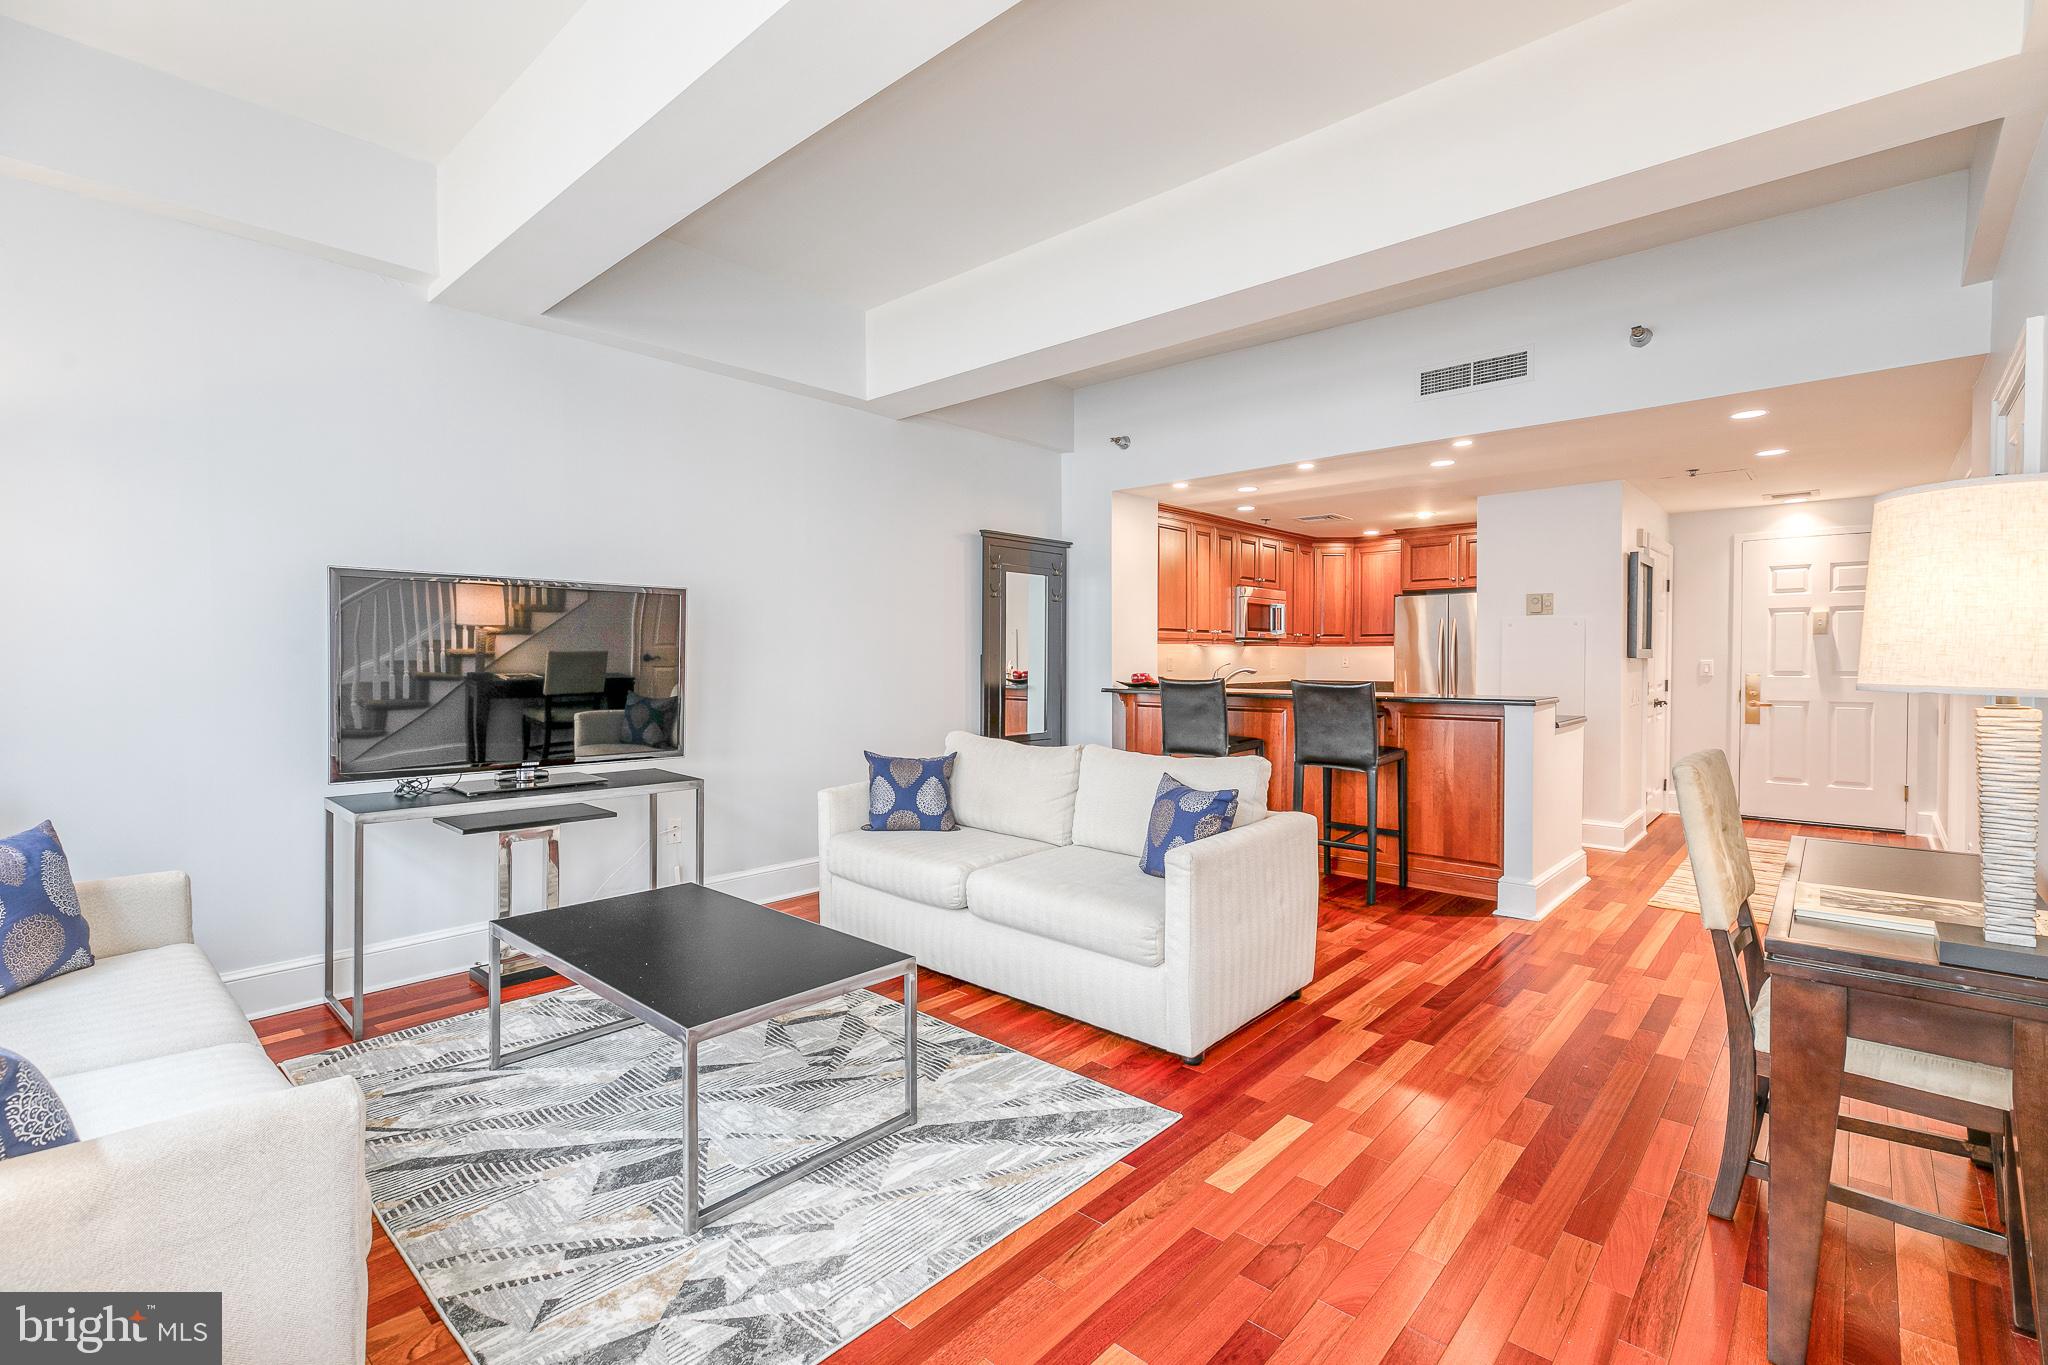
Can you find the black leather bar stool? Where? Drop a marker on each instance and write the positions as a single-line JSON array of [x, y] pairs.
[[1194, 722], [1337, 729]]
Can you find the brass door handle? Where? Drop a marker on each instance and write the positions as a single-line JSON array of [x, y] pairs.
[[1752, 688]]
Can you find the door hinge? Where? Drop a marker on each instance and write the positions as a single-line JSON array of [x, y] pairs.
[[1906, 792]]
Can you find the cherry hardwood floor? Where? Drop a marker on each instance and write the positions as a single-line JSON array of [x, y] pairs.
[[1471, 1140]]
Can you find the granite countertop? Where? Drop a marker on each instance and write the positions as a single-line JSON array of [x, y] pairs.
[[1279, 690]]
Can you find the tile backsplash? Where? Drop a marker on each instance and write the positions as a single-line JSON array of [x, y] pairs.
[[1335, 662]]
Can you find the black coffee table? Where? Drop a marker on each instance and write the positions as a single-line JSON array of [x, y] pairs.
[[696, 963]]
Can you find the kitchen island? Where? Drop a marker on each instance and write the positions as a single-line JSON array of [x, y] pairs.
[[1494, 787]]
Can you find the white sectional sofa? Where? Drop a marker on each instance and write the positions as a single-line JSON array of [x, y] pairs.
[[1038, 893], [198, 1166]]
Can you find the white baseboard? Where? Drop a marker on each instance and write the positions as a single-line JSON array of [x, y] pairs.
[[1536, 898], [1926, 824], [1663, 802], [1614, 836], [275, 987]]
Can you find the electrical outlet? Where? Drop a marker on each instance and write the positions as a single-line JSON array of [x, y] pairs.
[[672, 833], [1539, 604]]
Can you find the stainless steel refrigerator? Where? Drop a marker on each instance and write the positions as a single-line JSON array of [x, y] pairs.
[[1436, 643]]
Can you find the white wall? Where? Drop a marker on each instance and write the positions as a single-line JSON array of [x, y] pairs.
[[2019, 290], [1641, 516], [1567, 542], [195, 426], [1845, 289]]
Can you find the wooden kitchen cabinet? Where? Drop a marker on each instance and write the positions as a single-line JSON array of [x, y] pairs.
[[1441, 557], [1176, 579], [1339, 592], [1330, 568], [1210, 552], [1375, 579]]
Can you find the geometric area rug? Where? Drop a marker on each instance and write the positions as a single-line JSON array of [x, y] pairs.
[[1766, 861], [540, 1205]]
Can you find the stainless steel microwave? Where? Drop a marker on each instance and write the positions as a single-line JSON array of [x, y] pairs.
[[1261, 614]]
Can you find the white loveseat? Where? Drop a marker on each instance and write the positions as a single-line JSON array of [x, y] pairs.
[[198, 1166], [1038, 893]]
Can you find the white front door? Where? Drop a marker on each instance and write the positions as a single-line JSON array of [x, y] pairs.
[[1814, 749]]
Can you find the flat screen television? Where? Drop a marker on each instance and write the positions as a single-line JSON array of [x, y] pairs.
[[449, 673]]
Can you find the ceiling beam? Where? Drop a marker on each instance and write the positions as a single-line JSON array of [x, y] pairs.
[[1539, 146], [82, 120], [643, 111]]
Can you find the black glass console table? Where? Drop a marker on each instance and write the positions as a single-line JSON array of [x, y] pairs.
[[358, 812]]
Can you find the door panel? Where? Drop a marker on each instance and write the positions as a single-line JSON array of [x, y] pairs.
[[1816, 748], [1174, 580], [1332, 593], [1375, 582], [1429, 561]]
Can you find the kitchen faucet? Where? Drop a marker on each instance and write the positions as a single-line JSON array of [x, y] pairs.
[[1234, 672]]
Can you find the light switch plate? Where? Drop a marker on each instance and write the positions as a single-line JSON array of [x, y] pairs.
[[1706, 670], [1539, 604], [1820, 621]]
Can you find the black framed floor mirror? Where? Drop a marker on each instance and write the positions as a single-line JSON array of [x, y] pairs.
[[1024, 637]]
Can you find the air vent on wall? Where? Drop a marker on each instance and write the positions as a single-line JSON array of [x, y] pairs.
[[1324, 516], [1469, 374]]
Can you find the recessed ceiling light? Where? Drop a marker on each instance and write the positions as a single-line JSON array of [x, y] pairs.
[[1370, 531], [1247, 488], [1441, 464], [1424, 516], [1306, 464], [1180, 485], [1246, 507], [1772, 453], [1462, 442], [1748, 413]]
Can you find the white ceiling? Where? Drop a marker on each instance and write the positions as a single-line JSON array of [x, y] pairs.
[[410, 75], [1851, 437], [1062, 111]]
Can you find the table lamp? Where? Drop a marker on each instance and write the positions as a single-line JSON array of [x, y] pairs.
[[1957, 602], [481, 605]]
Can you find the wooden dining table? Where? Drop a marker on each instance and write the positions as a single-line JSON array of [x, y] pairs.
[[1831, 982]]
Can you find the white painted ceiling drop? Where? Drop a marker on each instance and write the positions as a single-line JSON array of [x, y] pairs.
[[1063, 111], [1850, 437], [409, 75]]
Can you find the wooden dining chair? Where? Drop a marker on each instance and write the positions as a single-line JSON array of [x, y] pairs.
[[1970, 1095]]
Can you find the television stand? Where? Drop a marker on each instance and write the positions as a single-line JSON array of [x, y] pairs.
[[343, 943], [525, 782]]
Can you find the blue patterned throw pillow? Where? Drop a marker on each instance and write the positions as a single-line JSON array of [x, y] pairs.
[[649, 721], [910, 793], [32, 1118], [42, 933], [1181, 815]]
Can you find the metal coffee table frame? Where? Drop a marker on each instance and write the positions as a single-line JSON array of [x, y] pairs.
[[692, 1038]]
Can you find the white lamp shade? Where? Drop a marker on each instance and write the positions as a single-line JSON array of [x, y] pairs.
[[480, 604], [1957, 598]]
